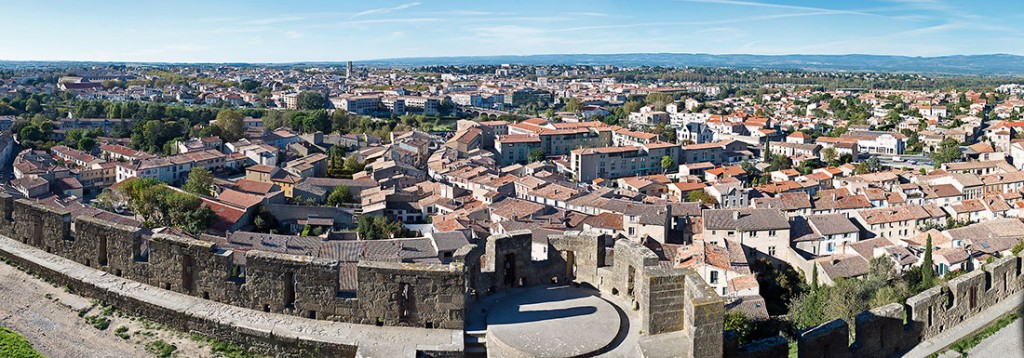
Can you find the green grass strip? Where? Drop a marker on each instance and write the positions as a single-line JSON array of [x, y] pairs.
[[13, 345], [964, 345]]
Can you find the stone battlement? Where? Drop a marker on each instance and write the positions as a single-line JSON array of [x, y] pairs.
[[894, 329], [668, 300], [394, 294]]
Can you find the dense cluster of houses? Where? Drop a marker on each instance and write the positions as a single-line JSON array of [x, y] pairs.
[[711, 200]]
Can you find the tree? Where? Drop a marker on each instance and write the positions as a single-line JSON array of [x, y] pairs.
[[830, 156], [86, 144], [30, 133], [275, 119], [736, 321], [779, 162], [232, 125], [870, 165], [667, 163], [814, 278], [948, 151], [702, 197], [373, 228], [310, 100], [200, 181], [535, 155], [749, 168], [317, 121], [147, 198], [574, 105], [353, 165], [808, 166], [630, 107], [265, 220], [340, 195], [198, 220], [926, 266]]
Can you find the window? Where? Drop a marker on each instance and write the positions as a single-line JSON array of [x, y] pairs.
[[771, 250], [632, 231], [771, 232], [730, 233], [831, 247], [714, 277]]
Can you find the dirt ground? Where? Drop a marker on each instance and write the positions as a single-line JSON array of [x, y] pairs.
[[50, 319]]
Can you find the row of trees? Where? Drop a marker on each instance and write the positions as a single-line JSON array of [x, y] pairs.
[[159, 205], [379, 228], [845, 299]]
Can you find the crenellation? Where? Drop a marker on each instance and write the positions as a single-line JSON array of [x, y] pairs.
[[115, 247], [770, 347], [827, 340], [880, 332], [437, 296], [44, 227], [417, 295], [703, 314]]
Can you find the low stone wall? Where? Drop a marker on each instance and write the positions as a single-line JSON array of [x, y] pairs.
[[894, 329]]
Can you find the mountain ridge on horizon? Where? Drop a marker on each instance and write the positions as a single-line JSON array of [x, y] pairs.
[[984, 64]]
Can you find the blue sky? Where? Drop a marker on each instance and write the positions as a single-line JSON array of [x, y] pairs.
[[286, 31]]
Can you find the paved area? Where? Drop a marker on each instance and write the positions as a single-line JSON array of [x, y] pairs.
[[372, 341], [1008, 342], [953, 334], [47, 317], [554, 321]]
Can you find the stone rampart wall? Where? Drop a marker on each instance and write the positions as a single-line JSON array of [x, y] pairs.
[[894, 329], [266, 281]]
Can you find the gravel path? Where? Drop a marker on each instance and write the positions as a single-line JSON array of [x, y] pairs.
[[1008, 342], [48, 317]]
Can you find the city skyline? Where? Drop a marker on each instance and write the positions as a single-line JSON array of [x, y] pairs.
[[323, 31]]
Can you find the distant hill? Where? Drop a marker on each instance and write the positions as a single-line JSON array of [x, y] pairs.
[[996, 64]]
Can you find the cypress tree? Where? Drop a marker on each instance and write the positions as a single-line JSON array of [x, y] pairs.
[[926, 267], [814, 279]]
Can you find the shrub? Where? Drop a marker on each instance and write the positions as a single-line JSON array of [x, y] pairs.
[[100, 322], [122, 332], [161, 349]]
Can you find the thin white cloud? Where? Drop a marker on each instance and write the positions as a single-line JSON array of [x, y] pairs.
[[779, 6], [694, 23], [907, 42], [590, 14], [414, 20], [272, 20], [385, 10], [469, 13]]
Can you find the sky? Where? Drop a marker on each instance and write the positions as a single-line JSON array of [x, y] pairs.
[[341, 30]]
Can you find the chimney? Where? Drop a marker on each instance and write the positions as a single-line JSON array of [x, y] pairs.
[[736, 215]]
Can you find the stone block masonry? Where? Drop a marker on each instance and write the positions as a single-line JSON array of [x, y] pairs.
[[263, 281], [270, 334], [425, 295], [895, 329]]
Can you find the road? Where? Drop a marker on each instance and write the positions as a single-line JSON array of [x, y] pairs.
[[920, 161]]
